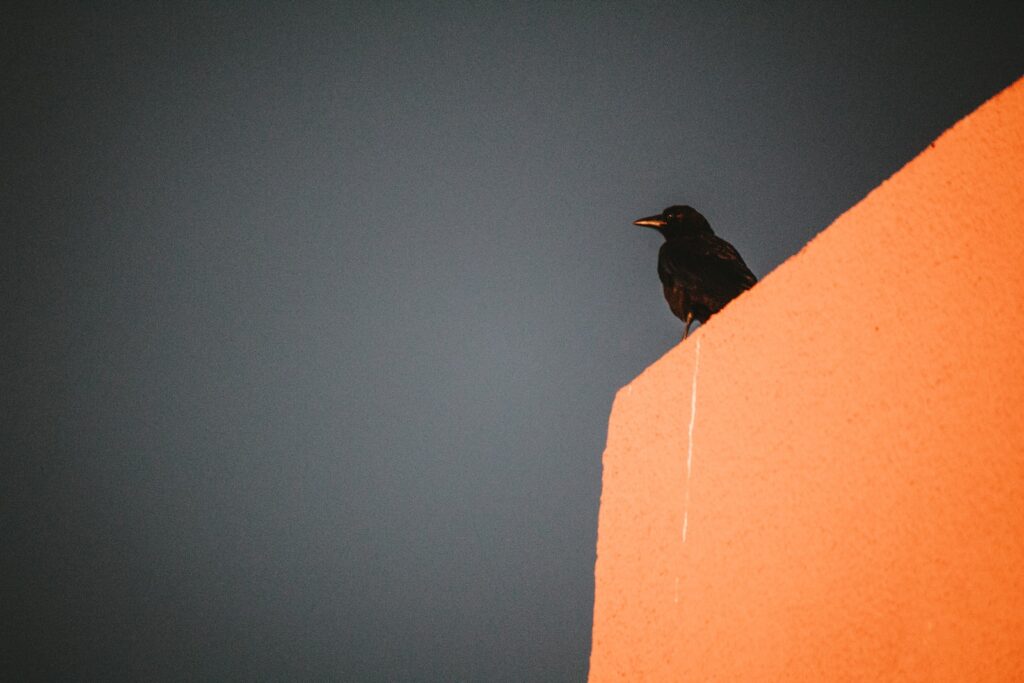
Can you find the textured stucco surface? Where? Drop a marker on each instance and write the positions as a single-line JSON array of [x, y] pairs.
[[855, 502]]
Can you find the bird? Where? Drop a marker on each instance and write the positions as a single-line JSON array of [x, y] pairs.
[[700, 272]]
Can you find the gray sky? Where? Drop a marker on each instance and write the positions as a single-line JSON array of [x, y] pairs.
[[314, 313]]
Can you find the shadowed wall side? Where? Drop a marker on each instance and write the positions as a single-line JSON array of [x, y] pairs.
[[845, 447]]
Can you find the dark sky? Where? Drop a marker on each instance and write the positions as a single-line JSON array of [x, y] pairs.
[[313, 313]]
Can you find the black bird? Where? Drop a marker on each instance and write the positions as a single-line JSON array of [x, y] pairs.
[[700, 272]]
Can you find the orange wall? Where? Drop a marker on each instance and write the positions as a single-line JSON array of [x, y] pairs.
[[854, 507]]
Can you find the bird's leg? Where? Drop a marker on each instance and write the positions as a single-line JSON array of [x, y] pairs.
[[689, 321]]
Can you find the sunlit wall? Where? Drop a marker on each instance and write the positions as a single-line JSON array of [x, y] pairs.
[[827, 481]]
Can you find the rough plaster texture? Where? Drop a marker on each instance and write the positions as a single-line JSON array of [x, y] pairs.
[[854, 434]]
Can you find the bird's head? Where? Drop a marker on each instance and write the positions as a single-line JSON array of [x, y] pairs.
[[676, 219]]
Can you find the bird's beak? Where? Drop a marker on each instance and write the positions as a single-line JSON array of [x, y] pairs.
[[651, 222]]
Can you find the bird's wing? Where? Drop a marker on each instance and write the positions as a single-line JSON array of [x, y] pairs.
[[722, 261], [707, 264]]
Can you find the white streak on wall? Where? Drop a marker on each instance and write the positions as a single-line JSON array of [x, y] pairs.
[[689, 440]]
